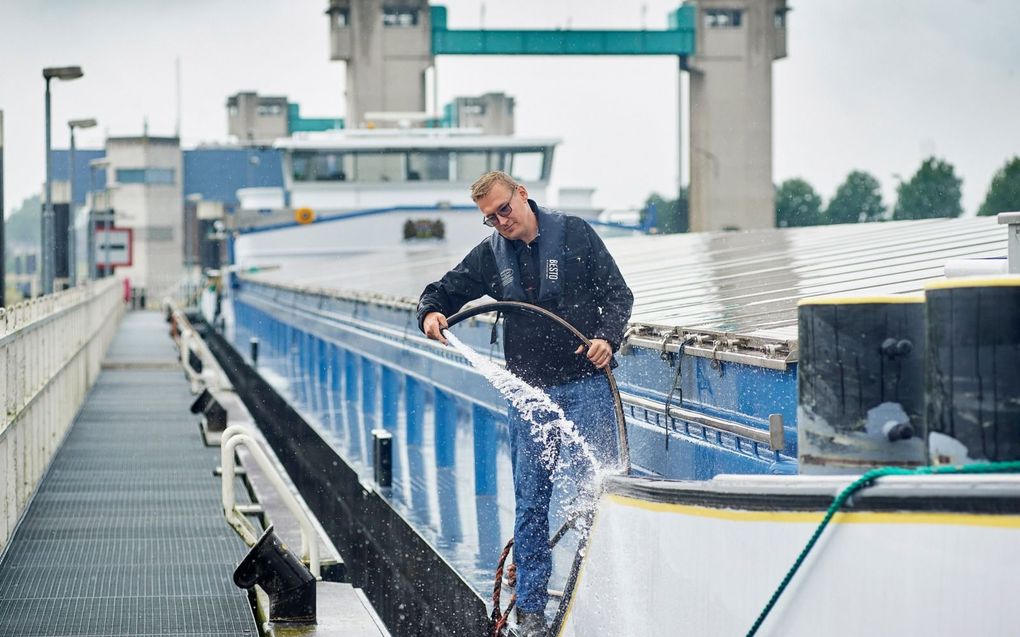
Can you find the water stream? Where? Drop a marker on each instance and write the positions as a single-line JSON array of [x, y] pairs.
[[535, 407]]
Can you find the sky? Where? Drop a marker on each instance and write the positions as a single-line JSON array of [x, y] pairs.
[[874, 85]]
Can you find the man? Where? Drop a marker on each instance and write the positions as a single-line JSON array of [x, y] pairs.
[[557, 262]]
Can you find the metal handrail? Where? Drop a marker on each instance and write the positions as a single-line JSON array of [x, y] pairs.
[[189, 341], [234, 436], [51, 353], [672, 411], [187, 336], [230, 439]]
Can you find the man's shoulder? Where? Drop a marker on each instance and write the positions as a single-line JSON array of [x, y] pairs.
[[482, 249]]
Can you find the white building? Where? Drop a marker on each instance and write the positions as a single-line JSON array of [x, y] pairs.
[[144, 178]]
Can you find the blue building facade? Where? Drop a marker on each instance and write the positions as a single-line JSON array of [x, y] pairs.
[[214, 173]]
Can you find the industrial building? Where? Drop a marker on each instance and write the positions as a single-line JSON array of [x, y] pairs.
[[726, 46]]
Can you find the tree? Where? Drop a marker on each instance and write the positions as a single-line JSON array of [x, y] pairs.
[[933, 192], [23, 224], [1004, 193], [670, 217], [859, 198], [797, 204]]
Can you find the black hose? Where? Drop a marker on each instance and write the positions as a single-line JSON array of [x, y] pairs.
[[519, 306]]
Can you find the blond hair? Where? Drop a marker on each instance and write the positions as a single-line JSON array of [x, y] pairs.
[[484, 184]]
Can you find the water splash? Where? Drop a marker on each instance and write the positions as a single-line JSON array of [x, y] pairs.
[[534, 406]]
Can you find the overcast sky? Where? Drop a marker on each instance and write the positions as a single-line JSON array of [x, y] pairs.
[[875, 85]]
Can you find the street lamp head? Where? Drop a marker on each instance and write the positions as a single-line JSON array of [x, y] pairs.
[[62, 72], [81, 123]]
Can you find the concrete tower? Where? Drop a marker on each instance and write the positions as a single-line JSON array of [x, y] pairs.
[[731, 113], [387, 47], [256, 119], [144, 181]]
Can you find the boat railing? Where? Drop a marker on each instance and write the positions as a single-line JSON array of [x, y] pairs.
[[773, 436], [51, 350]]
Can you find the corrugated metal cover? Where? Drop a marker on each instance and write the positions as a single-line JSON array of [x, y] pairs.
[[740, 283]]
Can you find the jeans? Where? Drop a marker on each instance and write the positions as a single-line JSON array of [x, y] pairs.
[[588, 404]]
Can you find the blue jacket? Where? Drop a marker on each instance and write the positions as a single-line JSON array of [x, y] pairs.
[[575, 277]]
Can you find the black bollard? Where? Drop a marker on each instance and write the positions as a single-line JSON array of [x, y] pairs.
[[860, 399], [289, 585], [382, 457], [253, 345], [973, 370]]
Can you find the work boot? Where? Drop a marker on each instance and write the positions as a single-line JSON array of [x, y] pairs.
[[531, 625]]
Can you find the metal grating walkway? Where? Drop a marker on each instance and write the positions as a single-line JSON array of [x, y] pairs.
[[125, 535]]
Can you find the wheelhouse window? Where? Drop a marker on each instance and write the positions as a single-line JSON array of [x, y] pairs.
[[528, 165], [415, 165], [471, 164], [428, 165], [375, 167], [723, 18], [322, 166]]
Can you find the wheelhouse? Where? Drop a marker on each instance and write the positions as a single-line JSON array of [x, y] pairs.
[[412, 157]]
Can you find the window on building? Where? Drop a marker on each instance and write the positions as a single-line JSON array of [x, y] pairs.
[[341, 17], [164, 176], [400, 17], [157, 176], [131, 175], [269, 110], [780, 18], [723, 18]]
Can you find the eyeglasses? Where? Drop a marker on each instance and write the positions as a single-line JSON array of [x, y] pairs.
[[504, 211]]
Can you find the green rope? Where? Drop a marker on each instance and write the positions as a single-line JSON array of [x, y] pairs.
[[864, 481]]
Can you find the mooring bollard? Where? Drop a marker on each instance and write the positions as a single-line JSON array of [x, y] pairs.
[[382, 457], [253, 344]]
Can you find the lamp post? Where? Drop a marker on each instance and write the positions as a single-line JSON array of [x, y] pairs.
[[94, 218], [3, 247], [72, 260], [47, 247], [90, 241]]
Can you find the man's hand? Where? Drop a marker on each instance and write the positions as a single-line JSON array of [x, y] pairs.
[[599, 353], [434, 325]]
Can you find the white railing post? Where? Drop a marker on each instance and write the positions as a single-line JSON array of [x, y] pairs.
[[1012, 222], [234, 436]]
